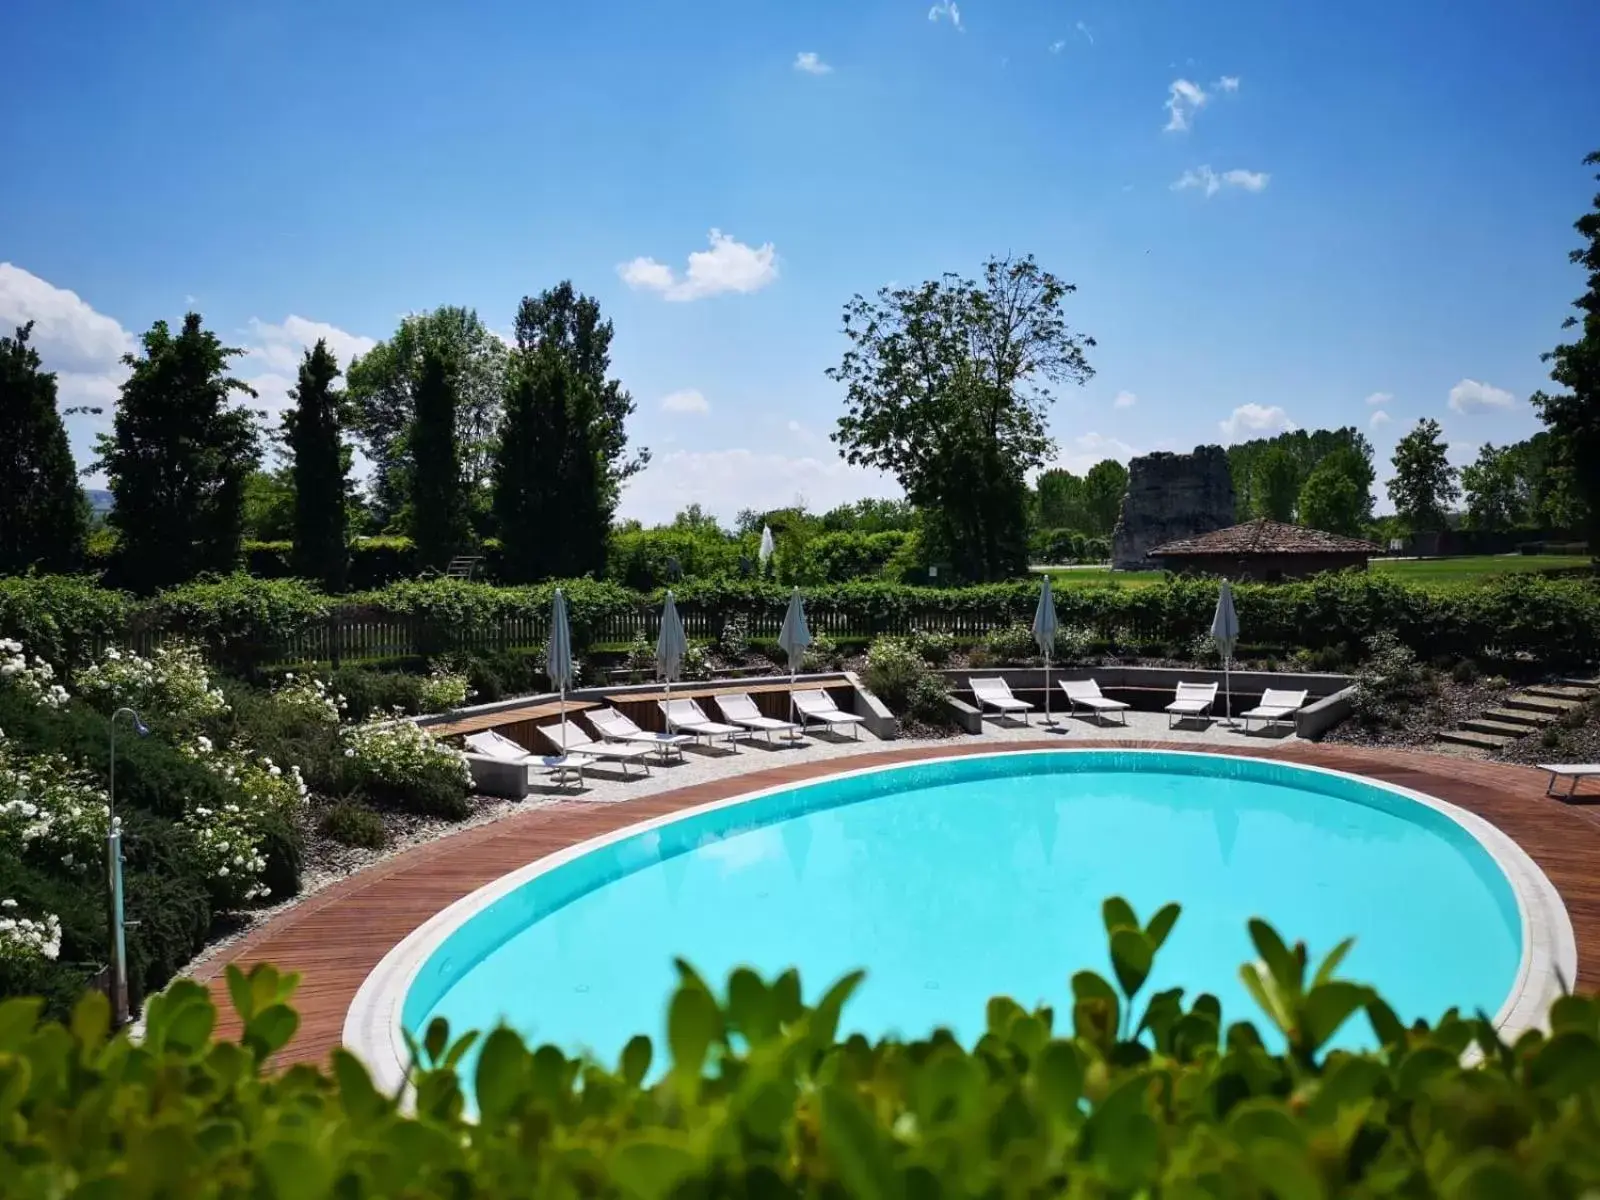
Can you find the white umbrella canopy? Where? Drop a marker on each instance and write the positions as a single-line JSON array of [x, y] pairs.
[[671, 644], [1225, 633], [793, 639], [1045, 625], [558, 656]]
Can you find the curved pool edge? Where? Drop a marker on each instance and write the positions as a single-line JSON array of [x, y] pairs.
[[372, 1028]]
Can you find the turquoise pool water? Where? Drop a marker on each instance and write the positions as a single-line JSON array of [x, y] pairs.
[[958, 880]]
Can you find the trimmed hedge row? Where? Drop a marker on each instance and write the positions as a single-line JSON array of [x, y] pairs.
[[245, 622], [1130, 1092]]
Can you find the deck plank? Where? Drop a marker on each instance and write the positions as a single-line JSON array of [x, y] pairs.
[[335, 938]]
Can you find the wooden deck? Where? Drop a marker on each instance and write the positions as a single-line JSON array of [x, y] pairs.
[[336, 937]]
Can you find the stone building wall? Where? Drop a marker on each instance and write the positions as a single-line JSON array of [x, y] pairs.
[[1171, 496]]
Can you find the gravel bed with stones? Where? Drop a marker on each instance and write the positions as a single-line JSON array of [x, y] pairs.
[[1420, 726], [1573, 744]]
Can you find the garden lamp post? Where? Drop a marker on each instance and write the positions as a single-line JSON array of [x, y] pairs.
[[119, 944]]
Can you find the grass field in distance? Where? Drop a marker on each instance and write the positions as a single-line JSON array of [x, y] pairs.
[[1465, 570]]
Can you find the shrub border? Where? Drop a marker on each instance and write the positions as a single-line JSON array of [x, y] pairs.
[[1549, 965]]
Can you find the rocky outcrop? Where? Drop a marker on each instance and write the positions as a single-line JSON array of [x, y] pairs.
[[1171, 496]]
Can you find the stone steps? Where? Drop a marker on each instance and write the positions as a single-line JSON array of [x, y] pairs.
[[1519, 714], [1526, 717], [1561, 691], [1478, 741], [1502, 728]]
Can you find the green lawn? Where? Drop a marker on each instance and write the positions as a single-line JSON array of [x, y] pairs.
[[1442, 571], [1474, 568]]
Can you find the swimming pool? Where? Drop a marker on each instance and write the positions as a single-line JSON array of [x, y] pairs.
[[958, 879]]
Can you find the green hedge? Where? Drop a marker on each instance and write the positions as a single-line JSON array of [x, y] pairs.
[[755, 1094], [246, 622]]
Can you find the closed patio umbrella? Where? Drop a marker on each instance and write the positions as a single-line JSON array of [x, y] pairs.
[[767, 547], [671, 644], [793, 639], [1044, 632], [1225, 633], [558, 656]]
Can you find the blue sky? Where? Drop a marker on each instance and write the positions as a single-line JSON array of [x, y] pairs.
[[1380, 198]]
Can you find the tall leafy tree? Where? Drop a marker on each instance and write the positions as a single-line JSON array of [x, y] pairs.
[[177, 458], [1573, 414], [1496, 489], [527, 487], [43, 514], [1103, 489], [439, 496], [318, 461], [1059, 501], [1276, 484], [1424, 483], [382, 386], [946, 387], [569, 323], [1335, 497], [1307, 449]]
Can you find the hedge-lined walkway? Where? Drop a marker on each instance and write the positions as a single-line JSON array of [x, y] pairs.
[[338, 936]]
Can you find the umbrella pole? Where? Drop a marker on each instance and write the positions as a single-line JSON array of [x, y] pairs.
[[563, 720], [1048, 719]]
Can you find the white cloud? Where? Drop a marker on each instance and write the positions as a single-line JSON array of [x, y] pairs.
[[1378, 398], [809, 62], [1184, 99], [1125, 400], [728, 266], [1256, 420], [1057, 47], [1083, 451], [271, 364], [725, 481], [949, 10], [1379, 418], [1471, 396], [686, 402], [67, 333], [1084, 29], [282, 346], [1210, 182]]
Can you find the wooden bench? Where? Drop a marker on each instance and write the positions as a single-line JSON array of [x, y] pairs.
[[515, 723]]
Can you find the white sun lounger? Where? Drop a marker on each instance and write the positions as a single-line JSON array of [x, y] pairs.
[[739, 709], [1576, 772], [1086, 693], [1276, 704], [501, 766], [685, 716], [616, 727], [1191, 700], [996, 694], [814, 704], [579, 743]]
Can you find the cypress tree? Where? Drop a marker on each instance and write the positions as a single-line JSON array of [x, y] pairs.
[[527, 468], [177, 458], [43, 514], [319, 471], [438, 495]]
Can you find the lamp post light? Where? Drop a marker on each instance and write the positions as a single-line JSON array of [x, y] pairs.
[[115, 922]]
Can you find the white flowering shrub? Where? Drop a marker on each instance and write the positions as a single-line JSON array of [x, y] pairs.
[[399, 763], [262, 783], [309, 698], [443, 689], [49, 809], [172, 682], [36, 680], [27, 937], [228, 844]]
